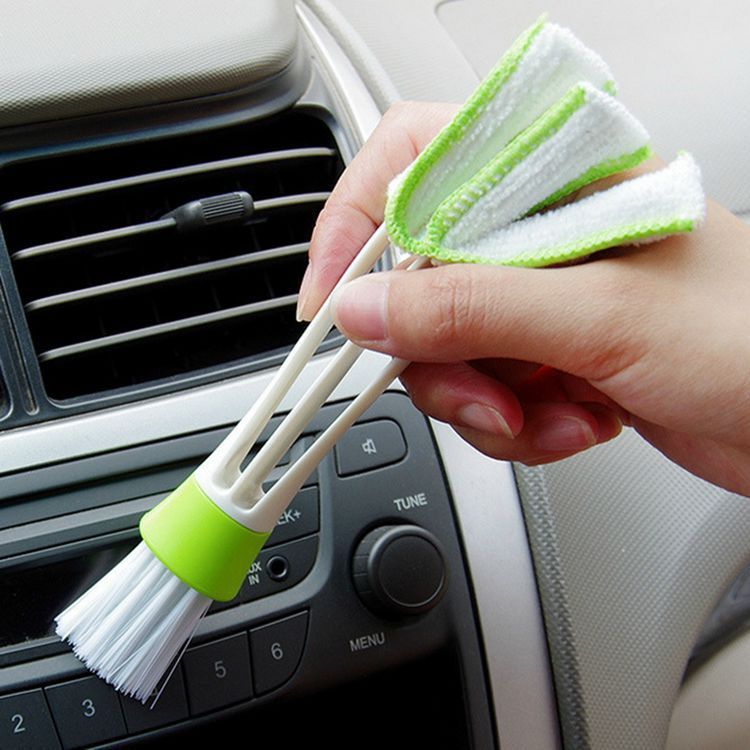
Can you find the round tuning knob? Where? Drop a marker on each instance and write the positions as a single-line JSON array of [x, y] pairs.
[[399, 570]]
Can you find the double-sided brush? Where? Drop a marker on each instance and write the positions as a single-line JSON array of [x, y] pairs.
[[540, 126], [201, 540]]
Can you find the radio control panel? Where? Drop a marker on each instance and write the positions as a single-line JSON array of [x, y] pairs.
[[363, 576]]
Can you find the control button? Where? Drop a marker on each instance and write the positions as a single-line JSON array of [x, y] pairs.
[[299, 519], [279, 568], [25, 722], [170, 707], [277, 649], [368, 446], [399, 570], [86, 711], [218, 674]]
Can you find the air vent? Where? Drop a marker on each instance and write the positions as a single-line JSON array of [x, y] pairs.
[[119, 294]]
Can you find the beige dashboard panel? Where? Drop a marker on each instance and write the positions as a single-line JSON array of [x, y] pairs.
[[63, 60]]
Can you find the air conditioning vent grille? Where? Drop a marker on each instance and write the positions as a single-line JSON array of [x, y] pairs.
[[117, 297]]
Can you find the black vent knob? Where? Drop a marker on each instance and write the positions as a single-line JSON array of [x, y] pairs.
[[399, 570], [227, 208]]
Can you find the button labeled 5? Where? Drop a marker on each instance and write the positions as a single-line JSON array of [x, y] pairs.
[[218, 674]]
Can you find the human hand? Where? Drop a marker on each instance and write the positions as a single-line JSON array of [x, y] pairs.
[[534, 365]]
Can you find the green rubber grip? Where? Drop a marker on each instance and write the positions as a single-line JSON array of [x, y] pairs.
[[200, 543]]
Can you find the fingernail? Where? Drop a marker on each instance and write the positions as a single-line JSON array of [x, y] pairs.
[[360, 309], [484, 418], [609, 427], [304, 293], [562, 434]]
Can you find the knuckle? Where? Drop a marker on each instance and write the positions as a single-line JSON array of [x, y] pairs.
[[622, 313], [423, 400], [456, 317]]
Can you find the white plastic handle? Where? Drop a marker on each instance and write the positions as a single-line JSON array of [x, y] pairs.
[[268, 509], [222, 467], [289, 430]]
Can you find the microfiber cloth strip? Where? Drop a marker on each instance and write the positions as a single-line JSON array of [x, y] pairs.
[[584, 136], [639, 210], [541, 67], [543, 124]]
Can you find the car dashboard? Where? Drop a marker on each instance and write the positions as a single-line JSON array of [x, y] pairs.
[[563, 606]]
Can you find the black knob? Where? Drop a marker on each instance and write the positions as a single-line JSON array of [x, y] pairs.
[[399, 570]]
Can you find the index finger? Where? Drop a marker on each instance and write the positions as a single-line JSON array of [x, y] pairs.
[[355, 207]]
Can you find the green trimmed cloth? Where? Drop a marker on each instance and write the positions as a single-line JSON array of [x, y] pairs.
[[543, 124]]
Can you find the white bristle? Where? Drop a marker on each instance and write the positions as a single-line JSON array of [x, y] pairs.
[[131, 625]]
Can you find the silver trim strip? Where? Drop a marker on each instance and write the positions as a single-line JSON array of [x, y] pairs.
[[167, 174], [353, 95], [92, 239], [266, 204], [160, 418], [163, 277], [116, 339], [287, 201], [489, 515]]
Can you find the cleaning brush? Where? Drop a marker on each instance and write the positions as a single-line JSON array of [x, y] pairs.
[[541, 125], [201, 540]]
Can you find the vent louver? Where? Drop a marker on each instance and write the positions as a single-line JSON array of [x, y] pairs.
[[117, 294]]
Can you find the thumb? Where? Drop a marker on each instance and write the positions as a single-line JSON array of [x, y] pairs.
[[575, 318]]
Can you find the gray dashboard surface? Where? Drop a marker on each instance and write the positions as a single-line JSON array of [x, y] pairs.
[[81, 57], [631, 552]]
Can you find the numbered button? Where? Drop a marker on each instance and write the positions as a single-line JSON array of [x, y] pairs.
[[218, 674], [277, 649], [25, 722], [85, 711], [171, 706]]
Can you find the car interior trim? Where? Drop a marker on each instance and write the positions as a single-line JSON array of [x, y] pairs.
[[502, 573]]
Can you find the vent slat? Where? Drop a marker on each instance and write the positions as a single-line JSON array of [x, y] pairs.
[[175, 274], [165, 174], [291, 201], [118, 339], [121, 233]]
